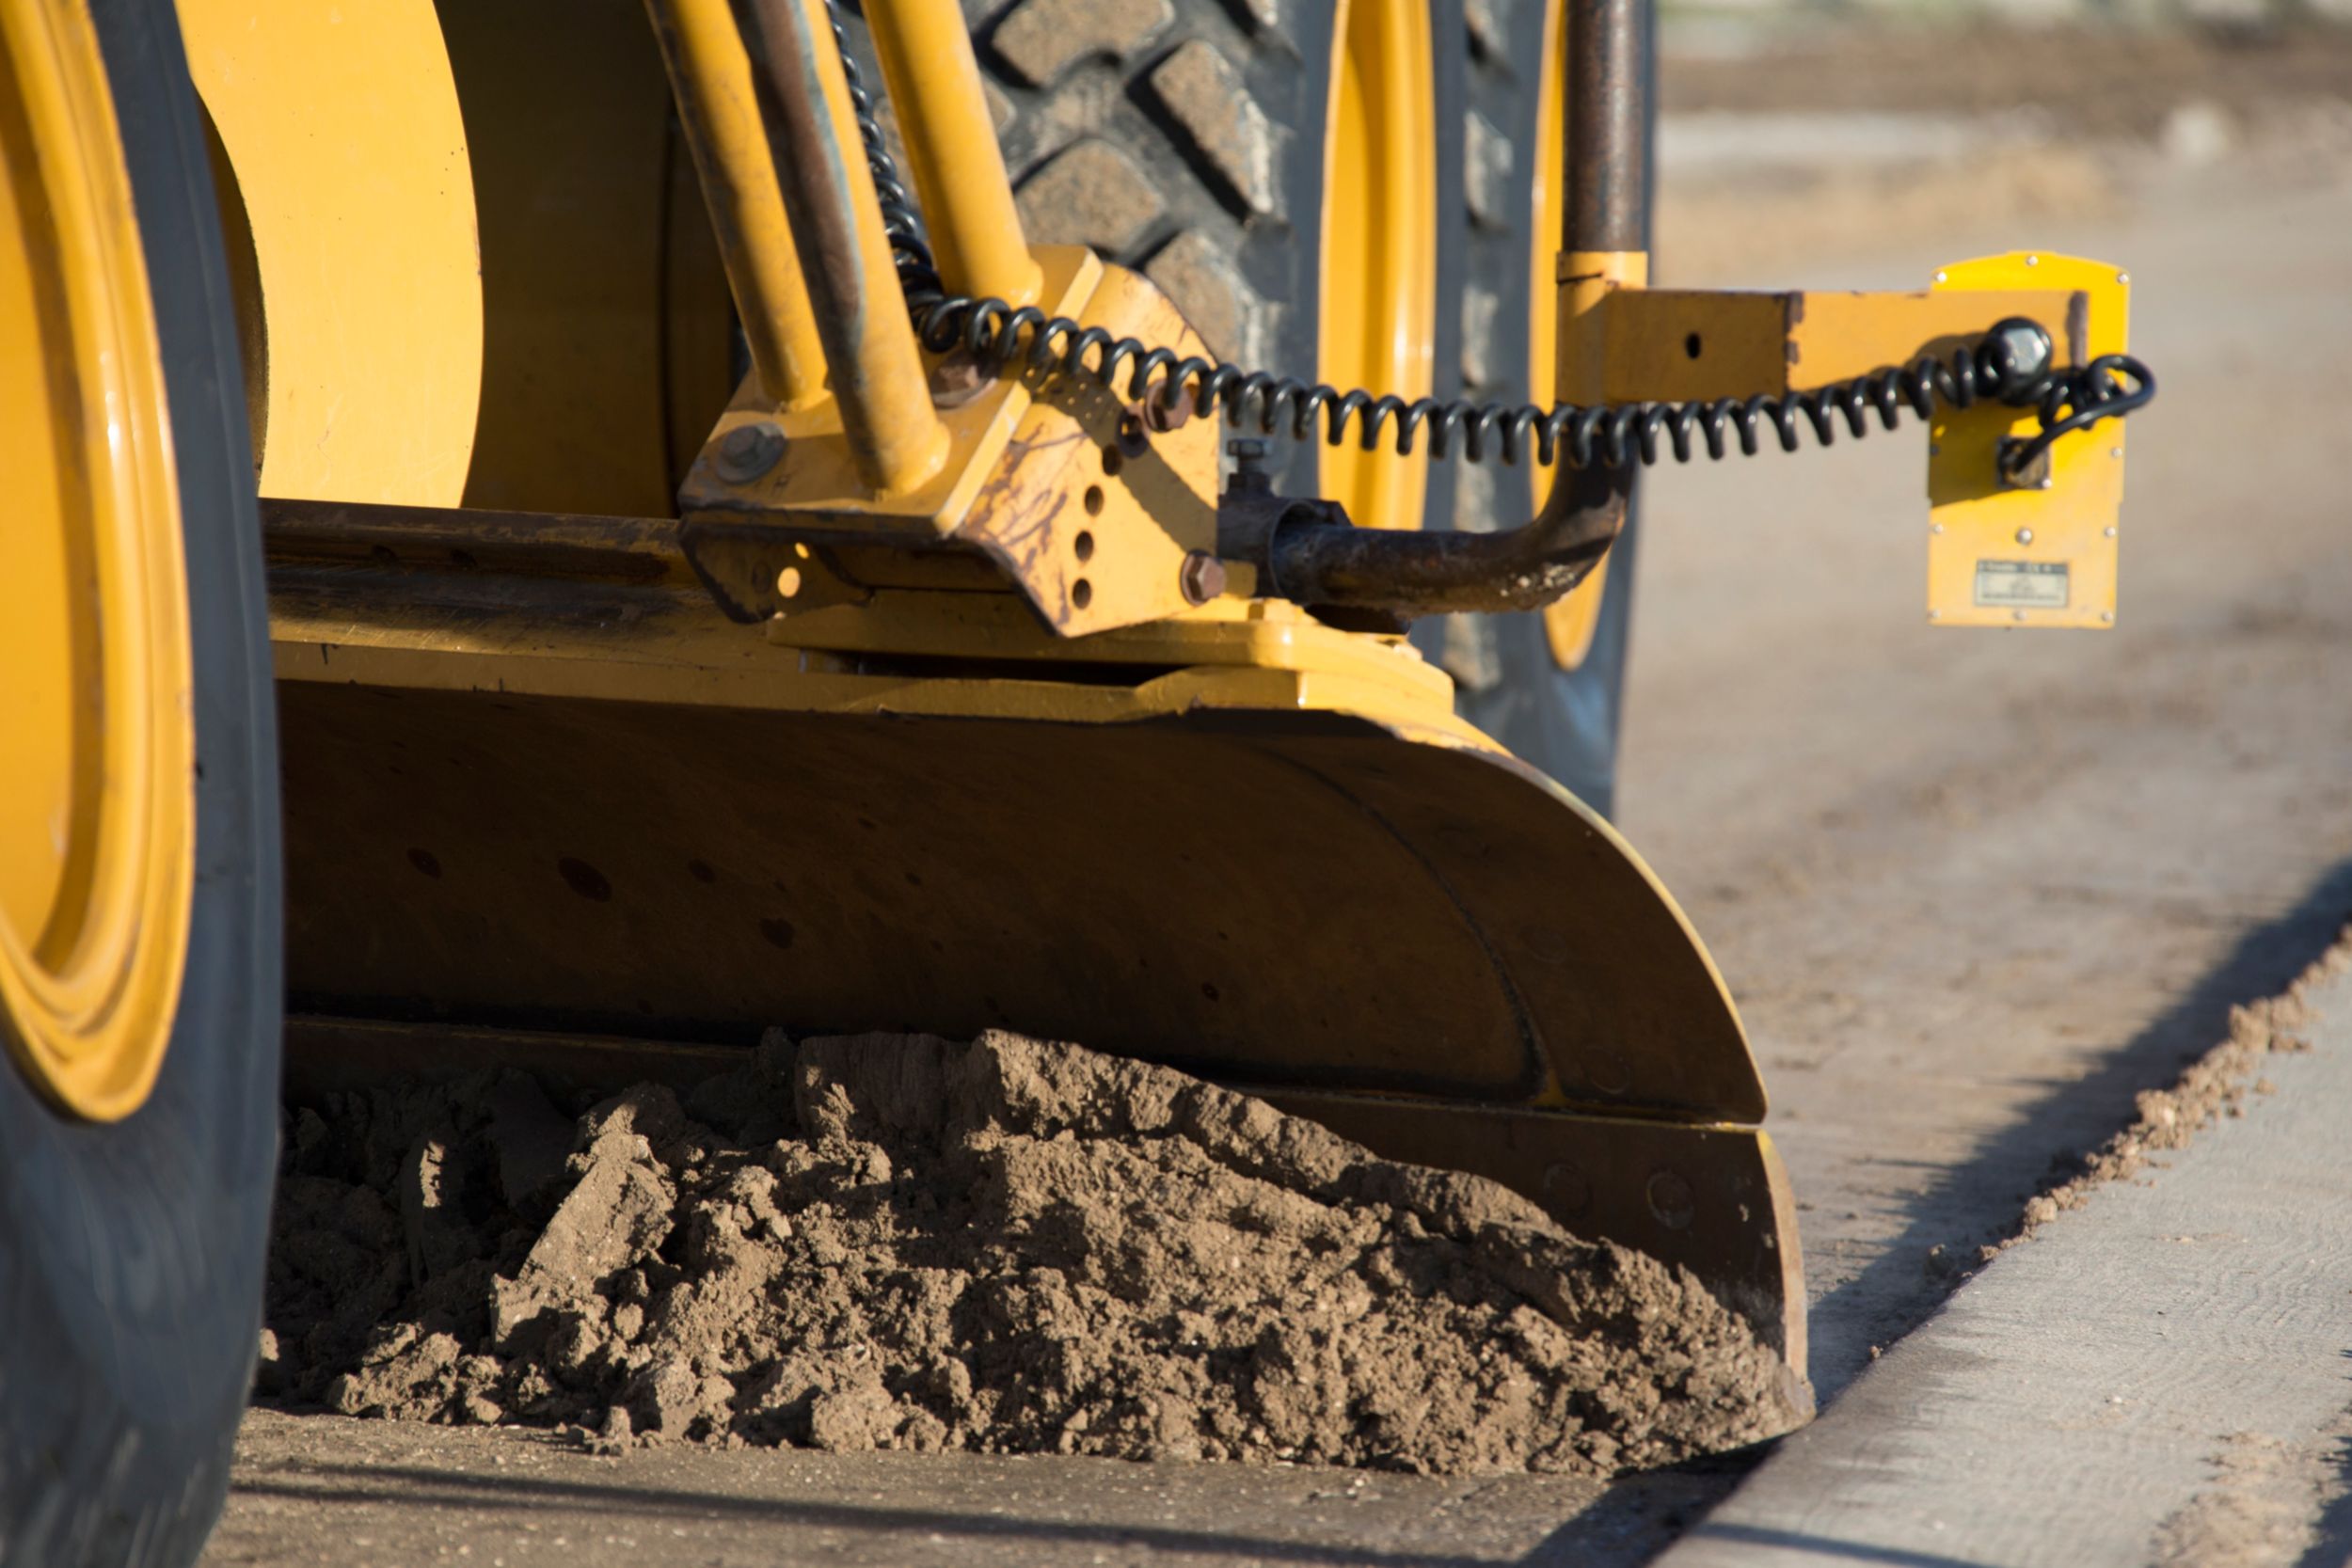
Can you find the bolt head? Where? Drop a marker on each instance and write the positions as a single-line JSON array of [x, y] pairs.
[[2107, 615], [2016, 614], [2025, 536], [956, 380], [1935, 527], [1201, 578], [747, 451]]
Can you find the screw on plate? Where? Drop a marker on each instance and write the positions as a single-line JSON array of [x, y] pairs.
[[748, 451], [1201, 578], [1249, 464], [2025, 536]]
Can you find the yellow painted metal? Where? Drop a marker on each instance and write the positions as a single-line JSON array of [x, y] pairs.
[[1574, 361], [605, 308], [884, 401], [1672, 344], [710, 74], [1093, 525], [1379, 263], [97, 803], [934, 81], [342, 125], [1999, 556], [1045, 714]]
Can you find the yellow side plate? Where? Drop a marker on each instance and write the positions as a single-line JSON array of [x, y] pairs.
[[2042, 555]]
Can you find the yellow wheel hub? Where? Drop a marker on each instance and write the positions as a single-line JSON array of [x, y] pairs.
[[97, 801], [1569, 623], [1379, 258]]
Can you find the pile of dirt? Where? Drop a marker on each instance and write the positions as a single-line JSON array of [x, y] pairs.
[[1005, 1247]]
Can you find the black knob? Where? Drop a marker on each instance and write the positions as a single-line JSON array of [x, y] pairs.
[[2014, 360]]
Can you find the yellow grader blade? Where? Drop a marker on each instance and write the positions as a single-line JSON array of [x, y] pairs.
[[553, 789]]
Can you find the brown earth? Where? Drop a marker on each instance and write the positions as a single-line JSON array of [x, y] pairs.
[[890, 1242]]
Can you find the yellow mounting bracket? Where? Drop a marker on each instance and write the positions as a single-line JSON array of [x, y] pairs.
[[1999, 554], [2042, 553], [1053, 486]]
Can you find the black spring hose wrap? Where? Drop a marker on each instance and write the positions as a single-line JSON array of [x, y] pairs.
[[996, 333]]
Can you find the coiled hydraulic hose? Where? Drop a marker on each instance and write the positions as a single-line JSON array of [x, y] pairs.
[[2012, 363]]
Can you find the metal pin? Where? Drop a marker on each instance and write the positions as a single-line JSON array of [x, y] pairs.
[[747, 451], [2110, 531], [1935, 527], [1942, 277], [2017, 615], [2025, 536], [1935, 614], [2114, 451], [2033, 260], [2122, 277], [2107, 615]]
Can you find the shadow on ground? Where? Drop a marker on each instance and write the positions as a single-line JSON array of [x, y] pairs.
[[2263, 963]]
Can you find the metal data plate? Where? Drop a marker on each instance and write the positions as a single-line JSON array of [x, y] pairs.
[[2043, 556]]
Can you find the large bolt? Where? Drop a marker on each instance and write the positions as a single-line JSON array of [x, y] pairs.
[[2018, 354], [958, 380], [1159, 416], [748, 451], [1201, 578]]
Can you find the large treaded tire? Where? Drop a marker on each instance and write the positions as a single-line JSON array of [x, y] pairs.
[[132, 1254]]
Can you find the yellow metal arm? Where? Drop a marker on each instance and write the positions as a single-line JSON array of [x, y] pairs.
[[2036, 549]]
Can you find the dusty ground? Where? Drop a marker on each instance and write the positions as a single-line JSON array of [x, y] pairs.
[[1974, 890]]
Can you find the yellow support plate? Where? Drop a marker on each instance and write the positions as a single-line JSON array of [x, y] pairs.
[[2045, 556]]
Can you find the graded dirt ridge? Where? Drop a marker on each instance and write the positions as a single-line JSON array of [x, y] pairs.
[[899, 1242]]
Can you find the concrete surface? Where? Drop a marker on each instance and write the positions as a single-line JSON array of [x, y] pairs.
[[2164, 1374], [1974, 889]]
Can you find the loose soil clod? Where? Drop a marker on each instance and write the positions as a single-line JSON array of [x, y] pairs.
[[1008, 1246]]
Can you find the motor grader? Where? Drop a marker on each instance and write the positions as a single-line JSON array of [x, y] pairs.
[[532, 538]]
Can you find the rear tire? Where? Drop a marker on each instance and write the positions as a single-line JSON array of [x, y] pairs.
[[132, 1252]]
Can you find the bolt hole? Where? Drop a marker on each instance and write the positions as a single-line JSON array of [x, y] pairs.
[[1082, 593], [1692, 345], [1094, 500], [1113, 460], [1083, 546]]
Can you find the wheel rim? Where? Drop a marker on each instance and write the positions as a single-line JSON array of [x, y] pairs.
[[1570, 622], [97, 801], [1379, 252]]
